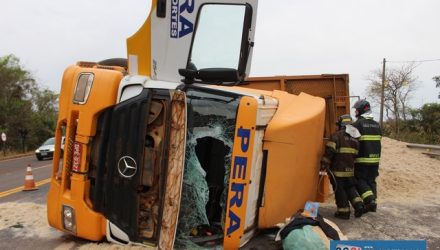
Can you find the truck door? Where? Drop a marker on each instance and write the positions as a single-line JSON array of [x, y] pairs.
[[181, 34]]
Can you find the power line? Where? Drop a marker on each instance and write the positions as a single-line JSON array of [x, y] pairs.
[[415, 61]]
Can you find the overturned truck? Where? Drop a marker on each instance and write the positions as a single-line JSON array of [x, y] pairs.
[[178, 148]]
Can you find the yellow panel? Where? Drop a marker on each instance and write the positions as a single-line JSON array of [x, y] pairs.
[[90, 225], [139, 45], [294, 143], [239, 179], [334, 88], [102, 95], [53, 205]]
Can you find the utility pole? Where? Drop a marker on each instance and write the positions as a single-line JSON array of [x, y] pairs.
[[382, 97]]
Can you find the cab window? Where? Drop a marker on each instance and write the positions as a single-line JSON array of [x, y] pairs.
[[218, 38]]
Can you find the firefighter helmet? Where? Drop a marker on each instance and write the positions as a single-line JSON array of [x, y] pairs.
[[344, 120], [361, 106]]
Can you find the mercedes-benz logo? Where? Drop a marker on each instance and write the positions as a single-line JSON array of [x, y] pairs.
[[127, 167]]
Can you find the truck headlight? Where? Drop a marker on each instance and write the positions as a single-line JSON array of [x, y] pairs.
[[37, 151], [68, 215], [83, 87]]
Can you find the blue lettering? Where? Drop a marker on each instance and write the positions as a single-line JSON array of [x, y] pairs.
[[240, 167], [174, 12], [238, 173], [181, 26], [186, 26], [188, 5], [234, 223], [173, 33], [237, 199], [174, 18], [245, 135]]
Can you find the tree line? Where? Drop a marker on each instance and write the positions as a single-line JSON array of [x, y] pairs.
[[28, 112], [418, 125]]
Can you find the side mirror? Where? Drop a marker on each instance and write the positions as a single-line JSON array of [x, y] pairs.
[[220, 75], [210, 75]]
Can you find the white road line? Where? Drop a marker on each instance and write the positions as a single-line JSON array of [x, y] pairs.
[[45, 166]]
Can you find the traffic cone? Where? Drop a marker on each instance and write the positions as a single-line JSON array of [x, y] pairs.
[[29, 183]]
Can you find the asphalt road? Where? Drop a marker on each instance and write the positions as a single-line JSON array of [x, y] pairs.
[[13, 171]]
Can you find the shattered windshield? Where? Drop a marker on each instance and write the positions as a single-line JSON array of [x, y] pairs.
[[211, 126]]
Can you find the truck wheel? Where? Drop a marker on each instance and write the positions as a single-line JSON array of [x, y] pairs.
[[121, 62], [39, 158]]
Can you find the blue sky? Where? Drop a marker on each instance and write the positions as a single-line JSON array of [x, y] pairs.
[[292, 37]]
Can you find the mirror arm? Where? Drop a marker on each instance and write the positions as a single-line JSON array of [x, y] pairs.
[[246, 45]]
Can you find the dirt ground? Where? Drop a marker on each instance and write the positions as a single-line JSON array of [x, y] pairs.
[[408, 199], [408, 202], [409, 208]]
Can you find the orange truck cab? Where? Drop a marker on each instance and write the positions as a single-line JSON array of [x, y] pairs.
[[178, 148]]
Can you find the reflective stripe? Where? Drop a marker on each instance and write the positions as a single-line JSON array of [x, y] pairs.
[[357, 199], [346, 120], [367, 194], [348, 150], [367, 160], [370, 138], [343, 209], [343, 174], [331, 144]]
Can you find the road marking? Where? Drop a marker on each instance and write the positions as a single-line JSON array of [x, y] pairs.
[[45, 166], [18, 189]]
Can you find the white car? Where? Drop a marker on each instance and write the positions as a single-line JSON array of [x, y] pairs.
[[47, 148]]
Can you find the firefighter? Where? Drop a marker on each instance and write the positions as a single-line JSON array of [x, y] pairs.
[[367, 161], [339, 157]]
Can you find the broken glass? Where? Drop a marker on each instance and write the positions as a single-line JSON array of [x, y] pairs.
[[211, 128]]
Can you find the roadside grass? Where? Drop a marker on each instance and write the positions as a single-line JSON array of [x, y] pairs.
[[13, 154]]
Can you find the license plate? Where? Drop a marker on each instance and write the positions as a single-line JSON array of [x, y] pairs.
[[43, 153]]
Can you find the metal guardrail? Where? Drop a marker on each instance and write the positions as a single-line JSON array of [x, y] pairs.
[[423, 146]]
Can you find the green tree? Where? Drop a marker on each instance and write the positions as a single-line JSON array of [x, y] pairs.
[[24, 108], [16, 88], [44, 116], [428, 118]]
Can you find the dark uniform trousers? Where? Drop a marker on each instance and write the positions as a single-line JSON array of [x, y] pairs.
[[366, 168], [341, 151], [366, 181], [345, 192]]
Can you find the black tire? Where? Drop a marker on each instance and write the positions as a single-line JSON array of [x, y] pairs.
[[39, 158], [121, 62]]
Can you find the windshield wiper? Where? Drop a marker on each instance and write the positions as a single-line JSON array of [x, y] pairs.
[[211, 99]]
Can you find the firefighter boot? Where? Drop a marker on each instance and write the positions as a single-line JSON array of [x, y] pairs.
[[342, 213], [359, 209], [371, 207]]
